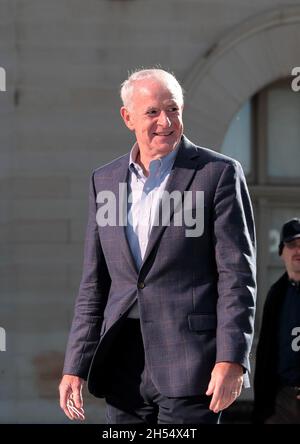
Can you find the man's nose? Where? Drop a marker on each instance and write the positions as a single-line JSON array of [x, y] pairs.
[[164, 120]]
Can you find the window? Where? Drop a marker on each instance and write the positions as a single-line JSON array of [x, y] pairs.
[[237, 142], [265, 137], [283, 132]]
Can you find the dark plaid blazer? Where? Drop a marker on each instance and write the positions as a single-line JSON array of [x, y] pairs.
[[196, 295]]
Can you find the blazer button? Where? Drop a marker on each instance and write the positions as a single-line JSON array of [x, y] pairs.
[[141, 285]]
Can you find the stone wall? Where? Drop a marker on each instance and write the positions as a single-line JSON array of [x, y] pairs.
[[59, 119]]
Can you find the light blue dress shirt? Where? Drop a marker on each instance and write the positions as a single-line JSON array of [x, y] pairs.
[[144, 194]]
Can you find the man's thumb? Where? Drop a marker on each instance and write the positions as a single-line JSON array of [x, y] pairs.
[[210, 388], [77, 399]]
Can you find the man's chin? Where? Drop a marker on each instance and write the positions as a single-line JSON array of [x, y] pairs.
[[165, 146]]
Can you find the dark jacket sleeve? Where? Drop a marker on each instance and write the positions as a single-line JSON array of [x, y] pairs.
[[235, 249], [91, 300]]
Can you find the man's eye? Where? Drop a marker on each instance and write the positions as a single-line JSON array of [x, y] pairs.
[[152, 112], [173, 109]]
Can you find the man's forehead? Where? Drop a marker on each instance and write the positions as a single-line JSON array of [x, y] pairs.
[[153, 98], [153, 87]]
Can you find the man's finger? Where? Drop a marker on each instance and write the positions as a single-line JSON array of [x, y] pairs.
[[227, 398], [64, 393], [76, 413], [216, 399], [68, 412], [70, 395], [77, 397], [210, 388]]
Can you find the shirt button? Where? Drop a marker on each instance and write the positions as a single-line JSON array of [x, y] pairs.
[[141, 285]]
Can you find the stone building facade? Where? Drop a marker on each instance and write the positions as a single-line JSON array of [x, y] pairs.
[[59, 119]]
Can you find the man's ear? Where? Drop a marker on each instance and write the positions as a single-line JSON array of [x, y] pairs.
[[126, 116]]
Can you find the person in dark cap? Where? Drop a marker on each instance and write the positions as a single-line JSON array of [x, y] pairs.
[[277, 371]]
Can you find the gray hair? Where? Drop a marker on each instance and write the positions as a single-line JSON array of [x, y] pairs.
[[159, 74]]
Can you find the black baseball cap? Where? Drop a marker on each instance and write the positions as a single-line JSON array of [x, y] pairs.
[[290, 231]]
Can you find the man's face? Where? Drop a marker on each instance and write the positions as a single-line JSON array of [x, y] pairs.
[[155, 115], [291, 256]]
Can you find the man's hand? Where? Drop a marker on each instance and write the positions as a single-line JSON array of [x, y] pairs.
[[225, 385], [70, 391]]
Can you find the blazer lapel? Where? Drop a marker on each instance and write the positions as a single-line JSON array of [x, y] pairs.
[[120, 176], [182, 173]]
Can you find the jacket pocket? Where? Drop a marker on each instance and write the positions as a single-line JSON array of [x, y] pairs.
[[202, 321]]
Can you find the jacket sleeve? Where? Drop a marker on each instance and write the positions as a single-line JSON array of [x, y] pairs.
[[235, 250], [91, 300]]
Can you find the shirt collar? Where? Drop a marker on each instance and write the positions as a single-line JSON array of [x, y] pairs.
[[165, 162], [134, 167]]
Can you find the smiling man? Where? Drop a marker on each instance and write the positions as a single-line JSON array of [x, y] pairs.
[[163, 322], [277, 372], [153, 110]]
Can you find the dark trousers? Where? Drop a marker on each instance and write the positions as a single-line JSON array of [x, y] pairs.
[[131, 396], [287, 407]]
